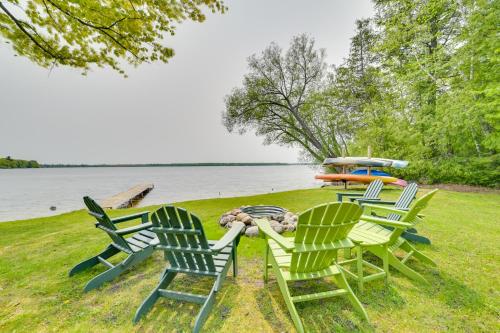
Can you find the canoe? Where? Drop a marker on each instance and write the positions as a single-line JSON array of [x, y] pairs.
[[364, 172], [332, 177], [398, 164], [365, 161]]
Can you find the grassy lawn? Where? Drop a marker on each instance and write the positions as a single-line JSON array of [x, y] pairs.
[[36, 294]]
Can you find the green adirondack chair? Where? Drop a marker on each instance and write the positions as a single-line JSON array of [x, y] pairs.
[[372, 192], [371, 235], [187, 250], [321, 232], [403, 203], [138, 247]]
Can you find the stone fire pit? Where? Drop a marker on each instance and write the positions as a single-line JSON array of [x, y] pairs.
[[281, 220]]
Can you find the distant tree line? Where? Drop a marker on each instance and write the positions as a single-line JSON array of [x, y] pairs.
[[10, 163], [420, 82], [216, 164]]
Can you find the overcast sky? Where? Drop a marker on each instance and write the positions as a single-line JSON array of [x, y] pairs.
[[163, 113]]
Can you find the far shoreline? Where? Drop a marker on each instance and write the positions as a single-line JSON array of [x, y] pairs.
[[215, 164]]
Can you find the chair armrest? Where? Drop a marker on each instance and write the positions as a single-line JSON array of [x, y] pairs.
[[385, 209], [229, 237], [142, 215], [285, 243], [126, 231], [361, 199], [340, 196], [383, 221], [375, 201], [99, 226]]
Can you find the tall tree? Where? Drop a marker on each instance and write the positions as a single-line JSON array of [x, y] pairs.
[[416, 43], [95, 32], [473, 98], [355, 85], [278, 96]]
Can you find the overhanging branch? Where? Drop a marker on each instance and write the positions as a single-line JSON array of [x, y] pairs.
[[20, 23]]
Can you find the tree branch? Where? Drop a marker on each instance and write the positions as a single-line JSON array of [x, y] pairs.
[[102, 29], [20, 23]]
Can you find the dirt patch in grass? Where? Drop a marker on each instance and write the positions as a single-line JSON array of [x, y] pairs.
[[463, 188]]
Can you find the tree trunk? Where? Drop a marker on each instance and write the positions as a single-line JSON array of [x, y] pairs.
[[309, 134]]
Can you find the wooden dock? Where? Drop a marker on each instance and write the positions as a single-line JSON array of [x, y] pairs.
[[127, 198]]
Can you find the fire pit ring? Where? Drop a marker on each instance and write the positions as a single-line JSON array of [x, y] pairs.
[[263, 211], [280, 219]]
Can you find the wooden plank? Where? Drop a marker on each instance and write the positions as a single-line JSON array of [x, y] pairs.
[[325, 294], [105, 262], [127, 198], [182, 296]]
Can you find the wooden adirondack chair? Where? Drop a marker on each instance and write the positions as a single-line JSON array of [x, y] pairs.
[[311, 254], [188, 251], [371, 235], [372, 192], [403, 203], [138, 247]]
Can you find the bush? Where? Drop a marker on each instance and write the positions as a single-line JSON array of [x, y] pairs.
[[483, 171], [9, 163]]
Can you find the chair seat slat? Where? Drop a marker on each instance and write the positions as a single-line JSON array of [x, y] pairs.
[[182, 249], [143, 238], [175, 231], [137, 242]]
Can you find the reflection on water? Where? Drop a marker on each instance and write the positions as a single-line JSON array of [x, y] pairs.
[[26, 193]]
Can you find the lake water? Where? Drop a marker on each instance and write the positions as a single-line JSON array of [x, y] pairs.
[[27, 193]]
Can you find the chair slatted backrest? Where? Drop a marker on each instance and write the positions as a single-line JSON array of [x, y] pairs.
[[373, 189], [103, 220], [412, 215], [317, 230], [409, 193], [182, 238]]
